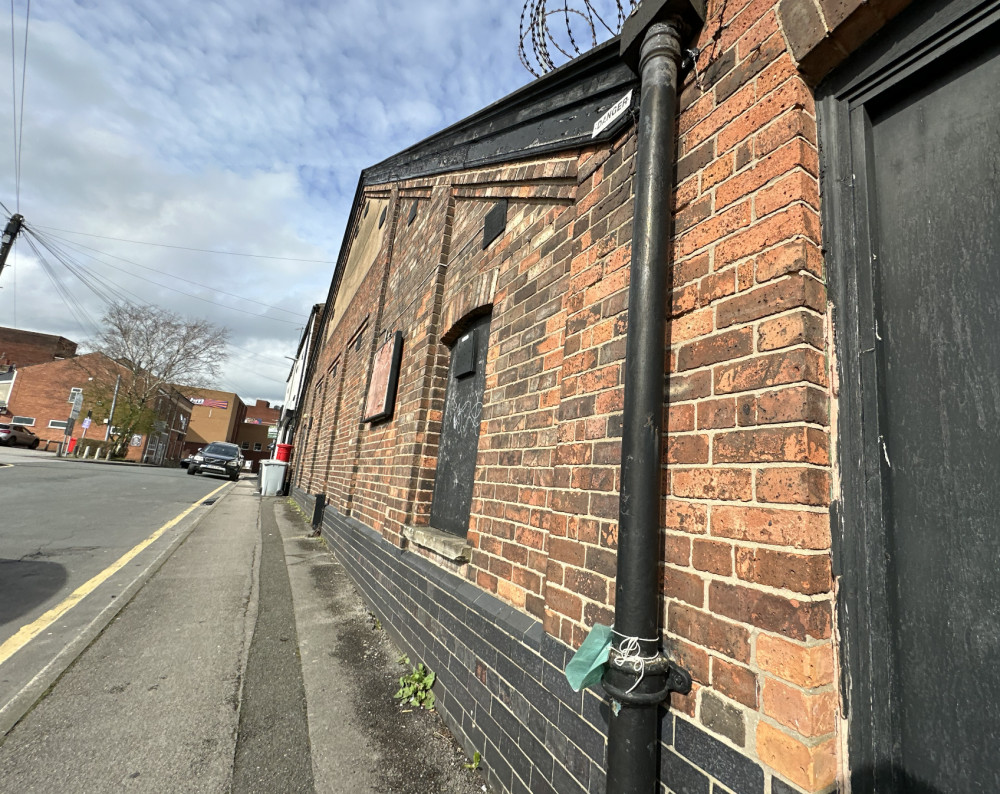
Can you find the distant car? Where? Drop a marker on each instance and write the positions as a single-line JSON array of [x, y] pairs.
[[220, 458], [12, 435]]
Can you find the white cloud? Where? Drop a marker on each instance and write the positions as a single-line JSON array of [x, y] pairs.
[[236, 125]]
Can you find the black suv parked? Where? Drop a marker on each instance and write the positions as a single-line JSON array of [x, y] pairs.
[[217, 458]]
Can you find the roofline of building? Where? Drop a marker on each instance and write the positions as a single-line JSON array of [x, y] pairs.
[[554, 112]]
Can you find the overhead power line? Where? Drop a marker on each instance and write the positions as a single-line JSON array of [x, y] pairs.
[[51, 245], [16, 117], [105, 291], [173, 276], [187, 248], [77, 309]]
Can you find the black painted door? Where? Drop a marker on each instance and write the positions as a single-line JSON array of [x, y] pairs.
[[925, 165], [459, 445]]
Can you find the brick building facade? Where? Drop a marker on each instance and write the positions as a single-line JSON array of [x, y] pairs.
[[258, 431], [42, 394], [21, 348], [524, 239], [215, 416]]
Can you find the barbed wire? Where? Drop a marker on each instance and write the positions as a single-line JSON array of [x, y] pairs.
[[583, 20]]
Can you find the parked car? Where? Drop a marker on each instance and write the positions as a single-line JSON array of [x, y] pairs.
[[12, 435], [219, 457]]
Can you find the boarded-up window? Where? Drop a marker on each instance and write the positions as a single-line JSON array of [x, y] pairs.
[[459, 447]]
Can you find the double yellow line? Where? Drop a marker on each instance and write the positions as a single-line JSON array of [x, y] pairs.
[[32, 630]]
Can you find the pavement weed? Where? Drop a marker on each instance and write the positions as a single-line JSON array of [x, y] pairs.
[[415, 687]]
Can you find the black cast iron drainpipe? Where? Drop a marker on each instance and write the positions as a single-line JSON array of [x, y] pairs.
[[652, 43]]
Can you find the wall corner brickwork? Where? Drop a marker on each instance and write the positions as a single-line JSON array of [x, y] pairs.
[[822, 33]]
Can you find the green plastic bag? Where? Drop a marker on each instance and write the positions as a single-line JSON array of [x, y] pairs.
[[589, 662]]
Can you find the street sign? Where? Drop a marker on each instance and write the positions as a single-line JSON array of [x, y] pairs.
[[85, 423], [77, 405]]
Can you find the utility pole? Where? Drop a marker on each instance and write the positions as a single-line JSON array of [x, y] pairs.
[[114, 402], [9, 235]]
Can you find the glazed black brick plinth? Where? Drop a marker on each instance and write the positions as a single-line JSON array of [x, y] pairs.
[[500, 684]]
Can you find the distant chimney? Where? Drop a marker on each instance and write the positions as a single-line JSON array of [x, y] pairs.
[[262, 404]]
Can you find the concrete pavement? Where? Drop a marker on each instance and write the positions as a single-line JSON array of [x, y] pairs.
[[246, 663]]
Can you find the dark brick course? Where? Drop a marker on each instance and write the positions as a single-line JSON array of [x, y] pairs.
[[501, 686]]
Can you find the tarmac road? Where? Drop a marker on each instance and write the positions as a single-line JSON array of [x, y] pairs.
[[64, 521]]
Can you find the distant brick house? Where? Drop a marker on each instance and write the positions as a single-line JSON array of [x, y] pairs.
[[41, 398], [215, 416], [828, 513], [21, 348], [258, 431]]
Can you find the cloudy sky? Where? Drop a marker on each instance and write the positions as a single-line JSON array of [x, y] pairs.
[[224, 125]]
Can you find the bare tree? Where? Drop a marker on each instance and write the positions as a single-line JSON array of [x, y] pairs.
[[151, 349]]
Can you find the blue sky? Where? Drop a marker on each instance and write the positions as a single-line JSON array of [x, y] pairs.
[[233, 125]]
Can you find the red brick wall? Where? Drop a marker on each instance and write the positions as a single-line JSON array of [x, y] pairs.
[[747, 592], [42, 391]]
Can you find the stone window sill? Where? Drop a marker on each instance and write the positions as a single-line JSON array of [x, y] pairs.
[[449, 546]]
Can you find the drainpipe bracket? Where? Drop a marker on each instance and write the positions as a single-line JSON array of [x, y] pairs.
[[690, 12], [661, 674]]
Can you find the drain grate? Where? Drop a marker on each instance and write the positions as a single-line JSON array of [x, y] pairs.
[[208, 502]]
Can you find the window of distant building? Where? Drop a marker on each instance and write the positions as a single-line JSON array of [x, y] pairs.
[[27, 421], [6, 384], [245, 445], [256, 447], [459, 445], [58, 424]]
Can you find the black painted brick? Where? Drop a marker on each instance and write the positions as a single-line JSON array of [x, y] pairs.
[[680, 777], [540, 697], [540, 782], [731, 768], [564, 782], [500, 770], [536, 752], [596, 712], [570, 756], [538, 724], [779, 786], [598, 780], [506, 720], [518, 786], [518, 761], [555, 682], [457, 625], [667, 721], [509, 671], [554, 652], [529, 662], [583, 736]]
